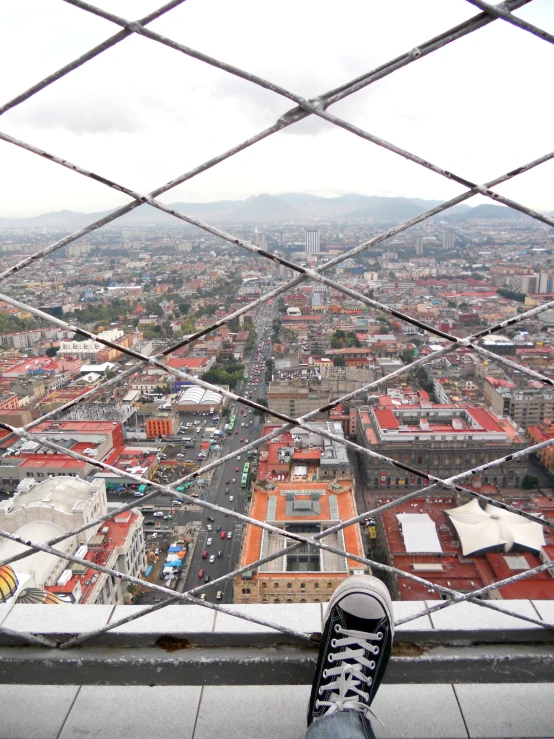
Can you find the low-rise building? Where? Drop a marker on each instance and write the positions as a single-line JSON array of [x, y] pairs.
[[307, 574], [43, 511], [442, 440]]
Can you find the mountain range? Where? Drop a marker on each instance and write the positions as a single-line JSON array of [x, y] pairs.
[[288, 207]]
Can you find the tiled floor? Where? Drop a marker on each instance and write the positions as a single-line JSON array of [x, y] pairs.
[[408, 712]]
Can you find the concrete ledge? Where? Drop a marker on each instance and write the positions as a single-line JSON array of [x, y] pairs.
[[462, 623]]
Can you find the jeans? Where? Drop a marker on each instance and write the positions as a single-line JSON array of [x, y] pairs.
[[341, 725]]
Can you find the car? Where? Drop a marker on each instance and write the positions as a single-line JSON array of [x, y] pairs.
[[208, 527], [226, 491], [246, 440], [210, 518], [238, 460], [137, 495], [219, 554], [207, 578], [241, 437], [236, 432], [200, 573], [209, 542], [236, 470], [227, 482], [234, 479], [219, 595], [177, 502], [212, 558], [231, 497], [229, 534], [202, 596], [158, 514], [180, 455], [218, 528], [242, 425], [168, 518], [223, 534], [154, 536], [205, 554]]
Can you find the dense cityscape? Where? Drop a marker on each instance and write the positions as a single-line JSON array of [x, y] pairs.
[[147, 287]]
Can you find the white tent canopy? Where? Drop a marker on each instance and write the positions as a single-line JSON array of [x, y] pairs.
[[419, 533], [480, 529]]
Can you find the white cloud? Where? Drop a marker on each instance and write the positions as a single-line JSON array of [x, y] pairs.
[[142, 114]]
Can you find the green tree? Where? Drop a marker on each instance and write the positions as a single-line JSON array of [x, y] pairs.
[[184, 308], [512, 294], [339, 362], [256, 412], [51, 351], [530, 482]]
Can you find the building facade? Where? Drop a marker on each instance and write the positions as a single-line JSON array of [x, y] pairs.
[[442, 440], [312, 241]]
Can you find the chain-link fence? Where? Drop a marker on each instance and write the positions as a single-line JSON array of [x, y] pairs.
[[303, 108]]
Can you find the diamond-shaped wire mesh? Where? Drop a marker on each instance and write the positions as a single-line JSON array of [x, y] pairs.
[[303, 108]]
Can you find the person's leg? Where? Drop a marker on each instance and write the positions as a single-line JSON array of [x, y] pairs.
[[341, 725], [353, 655]]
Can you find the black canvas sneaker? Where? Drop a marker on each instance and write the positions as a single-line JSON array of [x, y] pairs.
[[355, 648]]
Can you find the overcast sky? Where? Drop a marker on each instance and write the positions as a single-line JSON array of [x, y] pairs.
[[142, 113]]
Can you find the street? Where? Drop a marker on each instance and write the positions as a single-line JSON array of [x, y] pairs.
[[224, 488]]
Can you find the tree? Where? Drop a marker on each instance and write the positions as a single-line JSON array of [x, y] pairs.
[[257, 412], [184, 308], [226, 412], [529, 482], [512, 294], [52, 351], [339, 362], [407, 356]]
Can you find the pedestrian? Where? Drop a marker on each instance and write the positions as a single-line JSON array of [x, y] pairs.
[[353, 655]]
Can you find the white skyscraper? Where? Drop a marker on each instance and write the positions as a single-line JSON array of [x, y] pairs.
[[312, 241]]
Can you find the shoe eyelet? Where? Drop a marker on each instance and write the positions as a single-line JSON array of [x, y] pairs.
[[375, 650], [380, 635], [317, 704], [333, 643], [330, 656], [324, 674], [337, 628], [372, 665]]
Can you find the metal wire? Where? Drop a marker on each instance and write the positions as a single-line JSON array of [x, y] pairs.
[[317, 107]]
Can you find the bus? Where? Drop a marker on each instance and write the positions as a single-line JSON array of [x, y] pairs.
[[147, 509], [245, 474], [246, 375], [231, 425]]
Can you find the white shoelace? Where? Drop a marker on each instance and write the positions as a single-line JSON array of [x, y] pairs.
[[349, 678]]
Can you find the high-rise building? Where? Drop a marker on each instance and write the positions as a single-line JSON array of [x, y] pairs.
[[312, 241], [419, 246], [185, 246], [448, 240]]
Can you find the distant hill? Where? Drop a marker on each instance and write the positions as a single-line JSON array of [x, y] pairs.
[[488, 212], [289, 207]]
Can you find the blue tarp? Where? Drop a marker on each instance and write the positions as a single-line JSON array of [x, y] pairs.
[[174, 549]]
